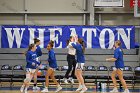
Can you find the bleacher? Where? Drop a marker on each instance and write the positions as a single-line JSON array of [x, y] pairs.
[[12, 64]]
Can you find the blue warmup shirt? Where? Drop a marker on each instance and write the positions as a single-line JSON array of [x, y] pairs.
[[79, 53], [118, 54], [31, 58], [52, 59], [38, 51]]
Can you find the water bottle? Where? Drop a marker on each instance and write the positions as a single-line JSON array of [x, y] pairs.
[[97, 85], [100, 85], [103, 86]]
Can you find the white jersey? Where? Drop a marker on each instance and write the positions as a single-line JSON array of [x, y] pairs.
[[71, 51]]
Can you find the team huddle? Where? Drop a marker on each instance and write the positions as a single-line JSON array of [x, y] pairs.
[[76, 47]]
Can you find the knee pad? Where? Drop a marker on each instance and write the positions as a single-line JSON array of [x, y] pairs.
[[27, 80]]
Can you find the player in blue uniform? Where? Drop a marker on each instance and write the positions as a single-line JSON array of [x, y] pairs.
[[31, 66], [52, 66], [80, 48], [39, 54], [119, 65], [38, 49]]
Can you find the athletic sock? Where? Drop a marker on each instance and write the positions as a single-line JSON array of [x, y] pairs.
[[23, 86], [83, 86], [58, 86]]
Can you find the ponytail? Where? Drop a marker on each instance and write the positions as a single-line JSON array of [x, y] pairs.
[[36, 40], [119, 44], [51, 43], [83, 46], [80, 40], [29, 48], [67, 42]]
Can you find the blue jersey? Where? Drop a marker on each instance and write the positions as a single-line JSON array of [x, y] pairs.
[[31, 58], [38, 51], [52, 59], [118, 54], [79, 52]]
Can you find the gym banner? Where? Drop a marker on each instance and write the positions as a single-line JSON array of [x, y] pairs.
[[94, 36]]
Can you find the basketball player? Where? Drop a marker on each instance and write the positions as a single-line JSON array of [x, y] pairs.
[[119, 65], [31, 66], [51, 70], [80, 49], [38, 53], [71, 61]]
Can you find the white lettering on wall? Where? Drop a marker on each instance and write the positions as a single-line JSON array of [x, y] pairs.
[[102, 38], [123, 35], [89, 35], [55, 38], [16, 34]]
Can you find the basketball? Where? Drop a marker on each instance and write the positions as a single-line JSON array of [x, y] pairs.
[[39, 73]]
